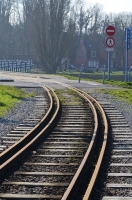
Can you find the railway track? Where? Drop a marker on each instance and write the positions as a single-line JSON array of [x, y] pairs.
[[15, 134], [10, 155], [66, 163], [57, 163], [115, 175]]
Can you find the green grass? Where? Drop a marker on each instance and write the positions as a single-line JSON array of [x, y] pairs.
[[68, 76], [75, 76], [123, 94], [60, 95], [68, 96], [124, 91], [9, 96], [117, 83]]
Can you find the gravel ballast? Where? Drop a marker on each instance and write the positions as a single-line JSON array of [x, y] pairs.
[[25, 108], [124, 107], [21, 111]]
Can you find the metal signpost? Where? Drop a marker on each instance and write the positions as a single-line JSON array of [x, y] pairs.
[[104, 75], [110, 42], [128, 37]]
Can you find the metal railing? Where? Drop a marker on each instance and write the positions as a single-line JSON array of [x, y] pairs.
[[16, 65]]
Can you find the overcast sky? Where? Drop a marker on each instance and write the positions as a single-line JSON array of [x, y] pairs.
[[114, 6]]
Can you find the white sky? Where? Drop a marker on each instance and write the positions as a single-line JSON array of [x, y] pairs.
[[114, 6]]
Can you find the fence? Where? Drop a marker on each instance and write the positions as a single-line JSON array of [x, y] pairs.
[[16, 65]]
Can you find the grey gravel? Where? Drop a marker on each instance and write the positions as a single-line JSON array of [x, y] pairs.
[[124, 107], [16, 115], [23, 109]]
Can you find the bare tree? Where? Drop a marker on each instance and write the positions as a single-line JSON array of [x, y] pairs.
[[52, 31], [5, 28]]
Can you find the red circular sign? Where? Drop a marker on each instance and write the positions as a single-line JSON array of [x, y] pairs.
[[110, 30], [110, 42]]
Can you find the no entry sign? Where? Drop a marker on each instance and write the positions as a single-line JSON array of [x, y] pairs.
[[110, 30]]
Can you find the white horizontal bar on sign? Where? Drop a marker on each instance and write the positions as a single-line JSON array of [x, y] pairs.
[[110, 31], [109, 49]]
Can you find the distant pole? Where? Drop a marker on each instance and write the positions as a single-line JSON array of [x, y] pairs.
[[25, 66], [81, 69], [104, 75], [12, 66], [129, 75], [109, 64], [126, 77]]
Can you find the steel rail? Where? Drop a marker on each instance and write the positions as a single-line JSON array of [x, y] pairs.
[[19, 148], [102, 151], [100, 158], [68, 192], [5, 153]]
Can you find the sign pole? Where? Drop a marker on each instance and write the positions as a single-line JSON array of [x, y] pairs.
[[126, 77], [104, 75], [109, 64], [110, 42]]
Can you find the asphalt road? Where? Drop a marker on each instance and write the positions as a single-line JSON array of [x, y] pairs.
[[35, 80]]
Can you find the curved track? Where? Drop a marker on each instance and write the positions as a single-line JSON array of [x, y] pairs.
[[61, 166], [9, 156], [41, 106], [116, 167], [68, 146]]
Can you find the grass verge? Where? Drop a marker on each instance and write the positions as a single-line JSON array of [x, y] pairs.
[[124, 91], [9, 96], [123, 94]]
